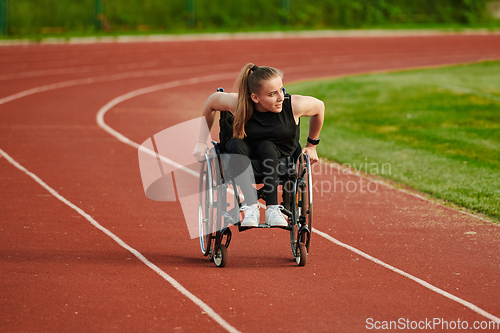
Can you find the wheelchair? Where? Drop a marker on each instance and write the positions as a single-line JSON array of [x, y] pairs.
[[221, 200]]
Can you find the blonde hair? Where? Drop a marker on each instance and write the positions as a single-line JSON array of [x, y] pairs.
[[249, 81]]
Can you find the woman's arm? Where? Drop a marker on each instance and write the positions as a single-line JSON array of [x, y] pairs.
[[219, 101], [307, 106]]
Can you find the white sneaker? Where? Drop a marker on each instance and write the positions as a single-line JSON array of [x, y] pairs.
[[252, 216], [274, 216]]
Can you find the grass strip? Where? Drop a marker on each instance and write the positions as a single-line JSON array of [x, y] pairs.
[[435, 130]]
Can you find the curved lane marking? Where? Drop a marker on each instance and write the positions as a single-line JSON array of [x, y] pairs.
[[178, 83], [127, 247], [350, 171], [73, 70], [168, 85], [147, 90], [207, 309], [107, 78], [411, 277]]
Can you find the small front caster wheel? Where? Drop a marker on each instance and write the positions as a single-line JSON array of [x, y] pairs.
[[301, 254], [221, 256]]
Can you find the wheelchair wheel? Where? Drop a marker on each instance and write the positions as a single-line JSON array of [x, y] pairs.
[[301, 207], [207, 209], [220, 256], [301, 254], [304, 200], [299, 249]]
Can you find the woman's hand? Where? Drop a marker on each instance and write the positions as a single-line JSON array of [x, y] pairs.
[[200, 150], [310, 150]]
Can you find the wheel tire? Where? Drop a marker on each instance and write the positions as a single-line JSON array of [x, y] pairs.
[[206, 244], [309, 203], [301, 254], [305, 197], [227, 232], [205, 233], [294, 227], [205, 208], [304, 237], [221, 256]]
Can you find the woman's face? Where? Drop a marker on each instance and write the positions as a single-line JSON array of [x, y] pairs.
[[270, 98]]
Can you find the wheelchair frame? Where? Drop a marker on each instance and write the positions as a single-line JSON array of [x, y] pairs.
[[220, 203]]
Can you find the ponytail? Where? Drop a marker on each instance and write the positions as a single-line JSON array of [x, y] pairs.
[[248, 82]]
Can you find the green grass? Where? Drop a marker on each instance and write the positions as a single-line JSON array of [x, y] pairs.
[[438, 129], [90, 31]]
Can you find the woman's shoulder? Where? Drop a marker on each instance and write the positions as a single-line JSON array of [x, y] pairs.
[[222, 101], [304, 105]]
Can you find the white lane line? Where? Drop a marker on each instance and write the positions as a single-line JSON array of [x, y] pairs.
[[409, 276], [209, 311], [178, 70], [348, 170], [74, 70], [121, 137], [100, 120], [124, 139], [146, 90], [434, 202], [113, 77]]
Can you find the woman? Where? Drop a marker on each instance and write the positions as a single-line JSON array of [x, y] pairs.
[[266, 127]]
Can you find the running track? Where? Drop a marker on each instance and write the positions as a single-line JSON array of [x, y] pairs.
[[67, 259]]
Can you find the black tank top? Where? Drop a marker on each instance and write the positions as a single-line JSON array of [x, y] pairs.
[[280, 128]]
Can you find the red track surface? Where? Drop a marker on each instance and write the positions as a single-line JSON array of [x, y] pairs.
[[60, 273]]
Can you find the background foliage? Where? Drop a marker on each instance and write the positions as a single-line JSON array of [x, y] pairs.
[[55, 16]]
